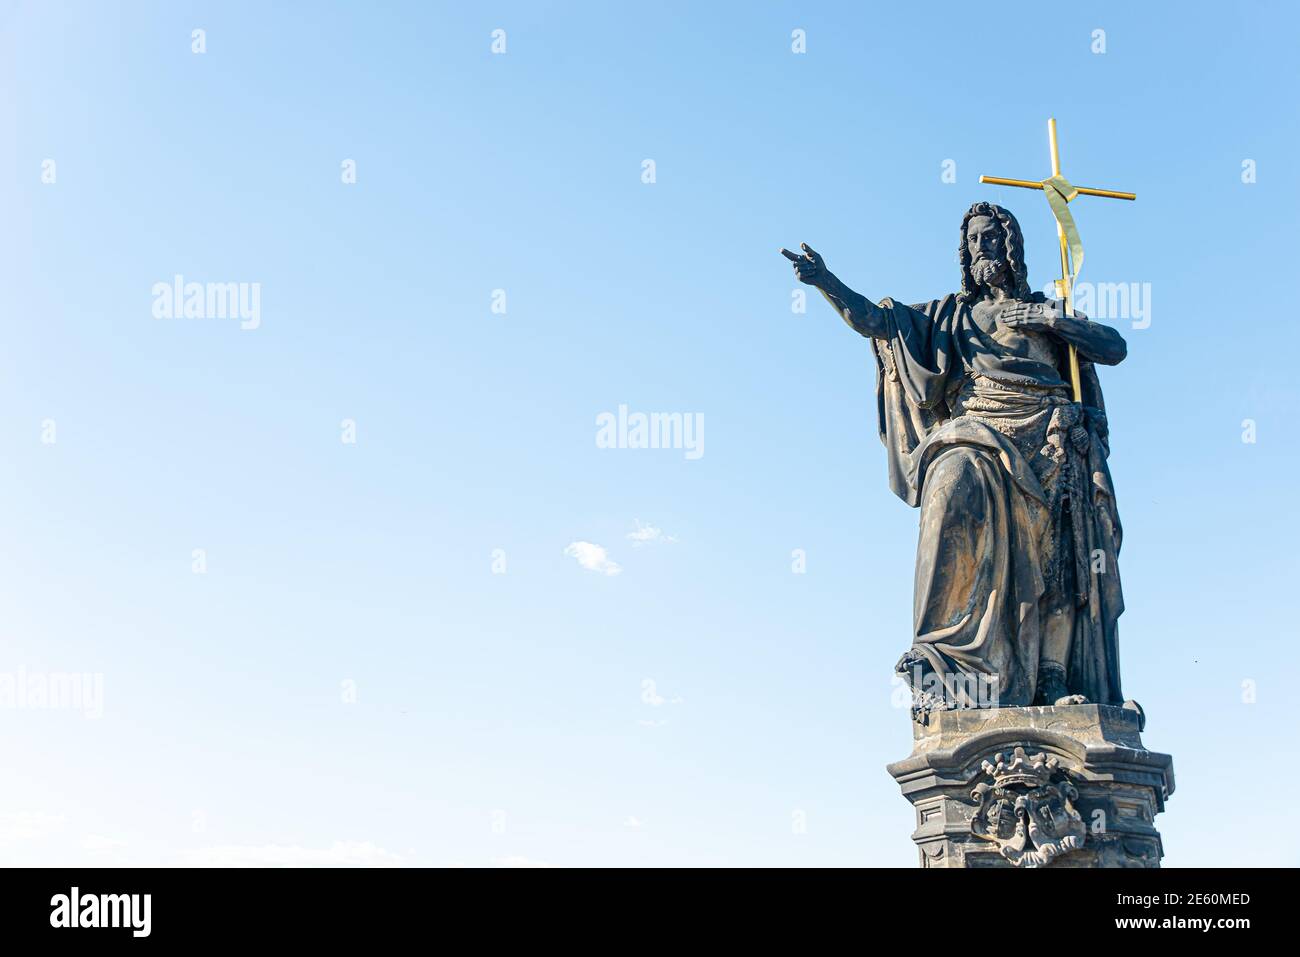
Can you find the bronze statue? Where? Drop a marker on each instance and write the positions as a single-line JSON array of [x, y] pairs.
[[1017, 585]]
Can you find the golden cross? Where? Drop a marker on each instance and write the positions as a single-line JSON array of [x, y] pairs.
[[1064, 284]]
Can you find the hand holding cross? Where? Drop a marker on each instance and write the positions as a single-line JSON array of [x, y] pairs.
[[1059, 193]]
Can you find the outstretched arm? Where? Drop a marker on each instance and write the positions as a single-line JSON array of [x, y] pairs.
[[1095, 342], [862, 315]]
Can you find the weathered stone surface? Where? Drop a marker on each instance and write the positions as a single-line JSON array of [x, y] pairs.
[[1065, 786], [989, 433]]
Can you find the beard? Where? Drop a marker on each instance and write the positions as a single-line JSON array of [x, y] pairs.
[[989, 272]]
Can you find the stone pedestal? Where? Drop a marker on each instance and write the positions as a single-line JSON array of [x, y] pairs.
[[1035, 787]]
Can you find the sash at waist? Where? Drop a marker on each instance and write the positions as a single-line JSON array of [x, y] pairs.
[[988, 398]]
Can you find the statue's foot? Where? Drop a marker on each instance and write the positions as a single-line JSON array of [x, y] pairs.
[[1052, 689]]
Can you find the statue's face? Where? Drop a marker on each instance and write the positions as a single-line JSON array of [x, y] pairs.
[[984, 239], [986, 245]]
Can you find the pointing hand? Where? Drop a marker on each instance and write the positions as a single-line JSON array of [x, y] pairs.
[[810, 268]]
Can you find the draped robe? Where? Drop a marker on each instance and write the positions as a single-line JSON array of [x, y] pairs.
[[1019, 534]]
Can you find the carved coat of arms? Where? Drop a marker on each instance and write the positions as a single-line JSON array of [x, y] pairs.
[[1026, 808]]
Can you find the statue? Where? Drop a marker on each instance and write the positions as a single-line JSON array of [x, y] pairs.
[[994, 426], [1018, 594]]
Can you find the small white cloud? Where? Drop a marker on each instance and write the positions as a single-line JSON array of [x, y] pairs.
[[594, 558], [649, 535], [338, 854], [633, 823]]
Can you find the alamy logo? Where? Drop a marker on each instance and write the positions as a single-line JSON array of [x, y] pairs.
[[102, 910], [179, 299], [1109, 301], [651, 430], [22, 690]]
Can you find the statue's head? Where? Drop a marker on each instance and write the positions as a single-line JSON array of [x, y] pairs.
[[992, 253]]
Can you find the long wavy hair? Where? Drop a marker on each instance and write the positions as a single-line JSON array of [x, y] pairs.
[[1013, 244]]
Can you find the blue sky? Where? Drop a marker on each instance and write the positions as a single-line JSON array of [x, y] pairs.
[[503, 718]]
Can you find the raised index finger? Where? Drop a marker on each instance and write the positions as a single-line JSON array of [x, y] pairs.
[[793, 257]]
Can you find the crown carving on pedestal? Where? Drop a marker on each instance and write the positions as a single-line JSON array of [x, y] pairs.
[[1021, 769]]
